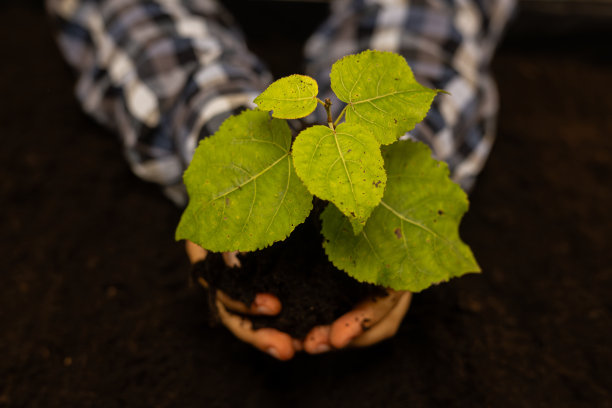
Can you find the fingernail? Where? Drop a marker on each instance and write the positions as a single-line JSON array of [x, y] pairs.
[[322, 348], [273, 352]]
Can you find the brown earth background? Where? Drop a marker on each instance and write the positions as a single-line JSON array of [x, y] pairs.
[[95, 305]]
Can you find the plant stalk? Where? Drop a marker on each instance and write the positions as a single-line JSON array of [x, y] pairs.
[[340, 116], [330, 120]]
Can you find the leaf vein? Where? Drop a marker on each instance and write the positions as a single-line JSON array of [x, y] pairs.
[[283, 198], [302, 98], [356, 81], [345, 168], [424, 228], [356, 112], [314, 151], [252, 178], [252, 205], [283, 148], [408, 220], [376, 107], [396, 93], [365, 236], [353, 137]]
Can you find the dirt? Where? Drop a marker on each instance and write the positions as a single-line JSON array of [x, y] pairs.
[[312, 291], [96, 309]]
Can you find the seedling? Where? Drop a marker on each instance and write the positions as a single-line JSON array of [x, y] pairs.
[[393, 214]]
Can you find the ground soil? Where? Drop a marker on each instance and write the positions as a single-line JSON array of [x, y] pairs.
[[96, 309], [311, 290]]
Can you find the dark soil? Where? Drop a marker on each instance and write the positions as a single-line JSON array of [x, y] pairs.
[[96, 309], [297, 271]]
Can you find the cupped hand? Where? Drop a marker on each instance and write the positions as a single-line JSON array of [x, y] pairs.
[[276, 343], [369, 322]]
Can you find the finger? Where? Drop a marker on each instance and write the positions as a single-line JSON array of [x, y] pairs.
[[277, 344], [361, 318], [231, 259], [387, 327], [195, 252], [264, 304], [317, 340]]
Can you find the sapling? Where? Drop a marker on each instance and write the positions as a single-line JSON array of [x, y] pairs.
[[393, 214]]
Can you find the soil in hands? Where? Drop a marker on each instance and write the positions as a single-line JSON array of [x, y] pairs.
[[312, 291]]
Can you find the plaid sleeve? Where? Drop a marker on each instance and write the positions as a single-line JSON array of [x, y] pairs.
[[164, 73], [449, 45], [160, 73]]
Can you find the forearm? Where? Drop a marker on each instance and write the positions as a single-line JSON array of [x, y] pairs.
[[448, 45], [160, 73]]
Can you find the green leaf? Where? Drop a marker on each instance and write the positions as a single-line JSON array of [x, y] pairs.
[[411, 240], [291, 97], [244, 193], [381, 92], [344, 166]]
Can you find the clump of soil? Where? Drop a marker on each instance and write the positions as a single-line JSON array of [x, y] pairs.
[[312, 291]]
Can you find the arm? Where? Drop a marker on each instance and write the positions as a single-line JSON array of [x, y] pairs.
[[449, 45], [163, 74]]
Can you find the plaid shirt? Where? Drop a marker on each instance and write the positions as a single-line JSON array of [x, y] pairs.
[[165, 73]]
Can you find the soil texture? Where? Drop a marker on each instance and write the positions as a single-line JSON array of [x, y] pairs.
[[96, 309], [312, 291]]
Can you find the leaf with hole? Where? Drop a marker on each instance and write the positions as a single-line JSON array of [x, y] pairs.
[[411, 240]]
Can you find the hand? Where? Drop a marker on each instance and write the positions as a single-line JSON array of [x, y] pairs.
[[276, 343], [371, 321]]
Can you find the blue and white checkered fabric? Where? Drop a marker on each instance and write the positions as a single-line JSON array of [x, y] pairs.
[[165, 73]]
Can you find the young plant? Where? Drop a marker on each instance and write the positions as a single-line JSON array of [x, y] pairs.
[[394, 214]]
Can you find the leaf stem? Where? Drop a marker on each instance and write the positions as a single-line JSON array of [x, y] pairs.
[[340, 116], [330, 120]]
